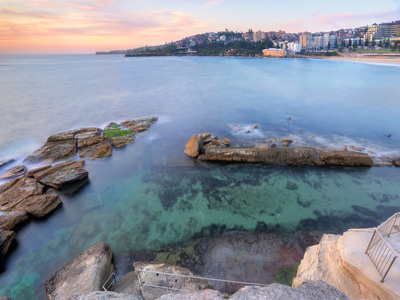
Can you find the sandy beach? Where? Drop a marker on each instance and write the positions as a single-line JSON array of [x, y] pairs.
[[370, 58]]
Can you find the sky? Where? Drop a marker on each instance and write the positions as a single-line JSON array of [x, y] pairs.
[[86, 26]]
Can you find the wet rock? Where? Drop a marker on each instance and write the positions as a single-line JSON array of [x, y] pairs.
[[318, 163], [346, 158], [357, 148], [105, 296], [118, 135], [344, 148], [285, 144], [21, 189], [289, 118], [87, 133], [94, 147], [9, 220], [194, 146], [38, 206], [254, 126], [7, 185], [308, 290], [206, 136], [5, 161], [140, 125], [84, 274], [287, 141], [198, 295], [248, 131], [225, 142], [71, 134], [396, 162], [273, 145], [53, 151], [32, 172], [62, 175], [383, 164], [14, 172], [152, 277], [6, 238]]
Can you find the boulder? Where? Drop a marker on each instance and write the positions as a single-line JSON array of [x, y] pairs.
[[225, 142], [38, 206], [396, 162], [21, 189], [288, 141], [206, 136], [118, 135], [14, 172], [340, 260], [6, 238], [151, 277], [5, 161], [10, 219], [140, 125], [86, 273], [105, 296], [194, 146], [7, 185], [198, 295], [276, 291], [62, 175], [94, 147], [53, 151], [74, 134]]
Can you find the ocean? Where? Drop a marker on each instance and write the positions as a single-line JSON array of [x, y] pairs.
[[150, 193]]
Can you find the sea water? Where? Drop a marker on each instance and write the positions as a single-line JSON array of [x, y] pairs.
[[150, 193]]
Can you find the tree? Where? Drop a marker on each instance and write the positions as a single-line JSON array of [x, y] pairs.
[[366, 43], [329, 45], [359, 43], [343, 44], [349, 44], [336, 44], [354, 44], [373, 43], [380, 44]]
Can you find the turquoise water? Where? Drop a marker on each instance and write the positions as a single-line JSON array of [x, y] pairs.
[[150, 194]]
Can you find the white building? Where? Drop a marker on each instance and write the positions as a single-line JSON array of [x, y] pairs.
[[294, 47]]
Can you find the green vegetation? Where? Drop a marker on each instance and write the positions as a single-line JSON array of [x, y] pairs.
[[115, 131], [285, 276], [238, 48], [331, 53]]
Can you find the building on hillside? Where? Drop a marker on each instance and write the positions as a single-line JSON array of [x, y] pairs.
[[293, 47], [274, 52], [384, 30], [259, 36], [306, 41]]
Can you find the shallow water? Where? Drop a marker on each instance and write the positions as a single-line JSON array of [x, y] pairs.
[[150, 194]]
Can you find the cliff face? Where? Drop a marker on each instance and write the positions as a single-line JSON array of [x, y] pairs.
[[340, 261]]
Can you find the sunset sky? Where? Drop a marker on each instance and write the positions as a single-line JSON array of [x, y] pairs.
[[86, 26]]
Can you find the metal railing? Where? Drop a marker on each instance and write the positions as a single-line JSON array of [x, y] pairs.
[[188, 283], [379, 250], [108, 283]]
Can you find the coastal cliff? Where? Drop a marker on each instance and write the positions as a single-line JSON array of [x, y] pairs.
[[340, 260]]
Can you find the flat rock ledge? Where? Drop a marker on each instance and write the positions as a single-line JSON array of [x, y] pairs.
[[84, 274], [340, 260], [14, 172]]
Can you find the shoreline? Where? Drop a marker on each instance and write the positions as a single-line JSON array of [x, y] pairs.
[[380, 59]]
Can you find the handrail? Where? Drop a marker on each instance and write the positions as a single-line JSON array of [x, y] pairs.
[[112, 277]]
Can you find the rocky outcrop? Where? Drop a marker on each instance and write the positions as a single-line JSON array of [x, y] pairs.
[[94, 147], [105, 296], [198, 295], [11, 219], [38, 206], [84, 274], [118, 135], [340, 260], [14, 172], [139, 125], [62, 175], [53, 151], [308, 290], [152, 277], [194, 146], [6, 238], [20, 189], [5, 161]]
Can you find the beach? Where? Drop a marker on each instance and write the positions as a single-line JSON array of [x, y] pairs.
[[381, 58]]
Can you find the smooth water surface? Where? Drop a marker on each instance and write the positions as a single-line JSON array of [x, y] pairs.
[[150, 194]]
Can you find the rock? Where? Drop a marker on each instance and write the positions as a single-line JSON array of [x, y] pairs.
[[340, 260], [87, 133], [6, 238], [357, 148], [248, 131], [93, 148], [346, 158], [38, 206], [128, 284], [198, 295], [32, 172], [396, 162], [5, 161], [285, 144], [140, 125], [254, 126], [344, 148], [273, 145], [71, 134], [177, 282], [8, 185], [21, 189], [287, 141], [276, 291], [206, 136], [105, 296], [194, 145], [117, 135], [62, 175], [9, 220], [14, 172], [84, 274], [318, 163], [53, 151], [225, 142], [289, 118], [383, 164]]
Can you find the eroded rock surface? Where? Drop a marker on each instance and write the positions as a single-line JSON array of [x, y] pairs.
[[198, 295], [11, 219], [38, 206], [19, 190], [105, 296], [86, 273], [139, 125], [53, 151], [194, 146], [6, 238], [118, 135], [94, 147], [14, 172], [62, 175]]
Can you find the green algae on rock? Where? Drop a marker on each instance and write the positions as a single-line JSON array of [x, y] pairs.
[[117, 135]]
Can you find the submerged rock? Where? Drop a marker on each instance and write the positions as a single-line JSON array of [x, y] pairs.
[[11, 219], [6, 238], [86, 273], [118, 135], [194, 145], [14, 172], [62, 175], [139, 125], [5, 161]]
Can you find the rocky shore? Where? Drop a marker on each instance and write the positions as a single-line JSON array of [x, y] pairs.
[[207, 148], [35, 193]]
